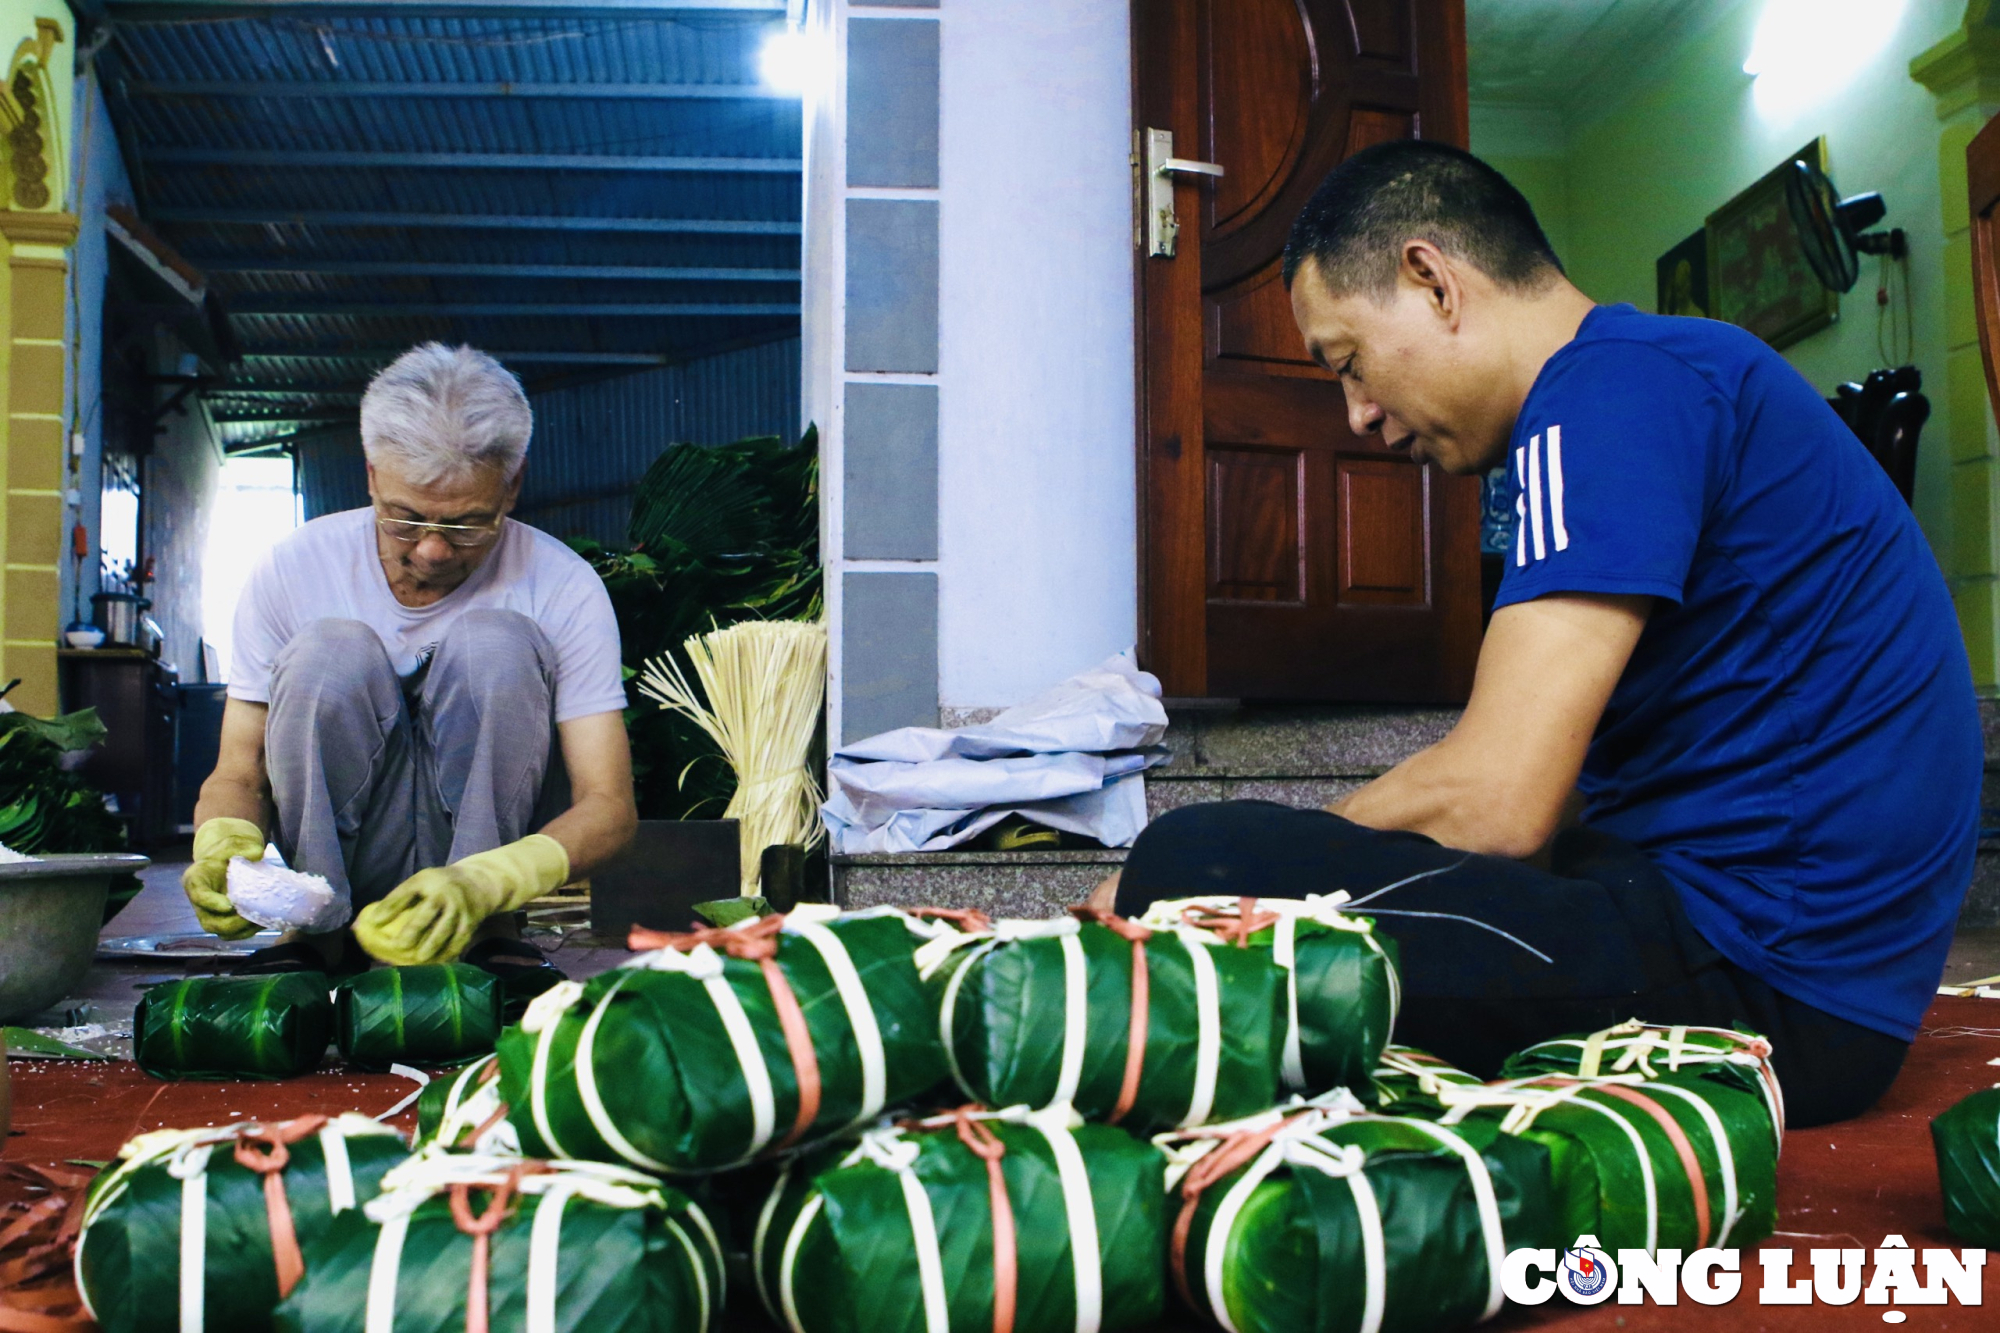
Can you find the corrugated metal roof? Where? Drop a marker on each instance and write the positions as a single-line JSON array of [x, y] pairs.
[[330, 265]]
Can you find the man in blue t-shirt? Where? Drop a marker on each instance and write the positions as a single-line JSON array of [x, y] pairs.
[[1719, 627]]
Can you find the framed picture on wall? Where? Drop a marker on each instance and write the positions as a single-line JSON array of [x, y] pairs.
[[1758, 277], [1681, 275]]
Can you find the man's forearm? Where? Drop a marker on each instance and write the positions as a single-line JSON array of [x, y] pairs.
[[592, 831], [1437, 792], [228, 798]]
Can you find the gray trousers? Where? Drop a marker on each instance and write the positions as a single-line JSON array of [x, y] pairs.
[[376, 778]]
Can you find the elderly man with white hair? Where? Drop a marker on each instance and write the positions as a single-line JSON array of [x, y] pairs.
[[425, 700]]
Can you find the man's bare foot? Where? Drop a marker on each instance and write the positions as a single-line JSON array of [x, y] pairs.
[[1105, 895]]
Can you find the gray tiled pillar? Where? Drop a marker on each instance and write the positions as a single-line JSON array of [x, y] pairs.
[[889, 430], [890, 645]]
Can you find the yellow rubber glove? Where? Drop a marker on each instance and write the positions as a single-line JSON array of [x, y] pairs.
[[430, 917], [206, 882]]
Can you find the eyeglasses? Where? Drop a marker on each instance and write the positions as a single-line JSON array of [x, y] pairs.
[[460, 535]]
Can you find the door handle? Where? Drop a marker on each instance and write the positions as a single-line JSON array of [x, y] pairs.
[[1162, 227]]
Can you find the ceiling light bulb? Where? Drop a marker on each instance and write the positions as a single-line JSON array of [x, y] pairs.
[[789, 62]]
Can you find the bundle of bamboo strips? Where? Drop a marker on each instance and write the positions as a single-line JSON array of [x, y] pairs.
[[764, 680]]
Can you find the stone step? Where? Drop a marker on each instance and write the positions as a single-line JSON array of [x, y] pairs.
[[1298, 755]]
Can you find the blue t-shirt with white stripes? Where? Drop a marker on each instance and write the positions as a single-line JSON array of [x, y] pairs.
[[1795, 741]]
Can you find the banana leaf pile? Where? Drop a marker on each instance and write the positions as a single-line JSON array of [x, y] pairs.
[[1678, 1160], [1321, 1218], [1042, 1013], [930, 1227], [267, 1027], [569, 1248], [717, 536], [45, 809], [182, 1204], [1967, 1140], [1341, 985], [726, 1045], [441, 1013], [1734, 1058], [42, 808]]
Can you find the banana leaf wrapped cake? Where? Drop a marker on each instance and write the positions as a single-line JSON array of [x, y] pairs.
[[1144, 1028], [1023, 1221], [465, 1111], [1967, 1140], [203, 1228], [268, 1027], [1728, 1056], [436, 1014], [1408, 1081], [1321, 1217], [721, 1046], [1342, 989], [1679, 1160], [482, 1242]]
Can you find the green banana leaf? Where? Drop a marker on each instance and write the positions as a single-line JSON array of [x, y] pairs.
[[1281, 1245], [1003, 1000], [464, 1112], [233, 1027], [618, 1251], [660, 1085], [1968, 1157], [846, 1235], [129, 1255], [436, 1014], [1620, 1175], [1342, 985], [1734, 1057]]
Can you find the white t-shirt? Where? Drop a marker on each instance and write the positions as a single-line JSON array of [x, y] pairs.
[[330, 568]]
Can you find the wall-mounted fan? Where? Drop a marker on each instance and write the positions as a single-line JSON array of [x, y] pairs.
[[1833, 231]]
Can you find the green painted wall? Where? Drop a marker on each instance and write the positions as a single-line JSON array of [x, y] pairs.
[[1634, 179]]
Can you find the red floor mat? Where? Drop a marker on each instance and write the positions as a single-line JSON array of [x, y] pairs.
[[1846, 1185]]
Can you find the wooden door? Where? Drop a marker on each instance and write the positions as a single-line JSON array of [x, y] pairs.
[[1982, 178], [1283, 557]]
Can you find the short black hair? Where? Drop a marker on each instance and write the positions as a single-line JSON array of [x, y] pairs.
[[1354, 226]]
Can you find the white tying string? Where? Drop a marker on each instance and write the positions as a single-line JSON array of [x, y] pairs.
[[1284, 952], [544, 1260], [593, 1102], [194, 1239], [1081, 1213], [860, 1014], [339, 1171], [762, 1236], [1076, 1020], [1724, 1157], [383, 1272], [1353, 903], [930, 1263], [1208, 1027], [787, 1266], [418, 1076], [1470, 921], [696, 1266]]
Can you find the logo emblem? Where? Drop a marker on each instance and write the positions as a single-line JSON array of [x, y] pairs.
[[1587, 1274]]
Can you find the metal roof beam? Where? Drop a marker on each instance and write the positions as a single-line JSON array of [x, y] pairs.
[[261, 416], [332, 88], [512, 309], [384, 354], [342, 268], [314, 157], [146, 11], [261, 217]]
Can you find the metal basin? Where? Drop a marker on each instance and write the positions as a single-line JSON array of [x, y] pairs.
[[50, 912]]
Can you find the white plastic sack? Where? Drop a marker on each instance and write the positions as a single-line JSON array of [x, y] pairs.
[[276, 897], [1069, 759]]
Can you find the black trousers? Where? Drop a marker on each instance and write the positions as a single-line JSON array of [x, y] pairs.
[[1497, 954]]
